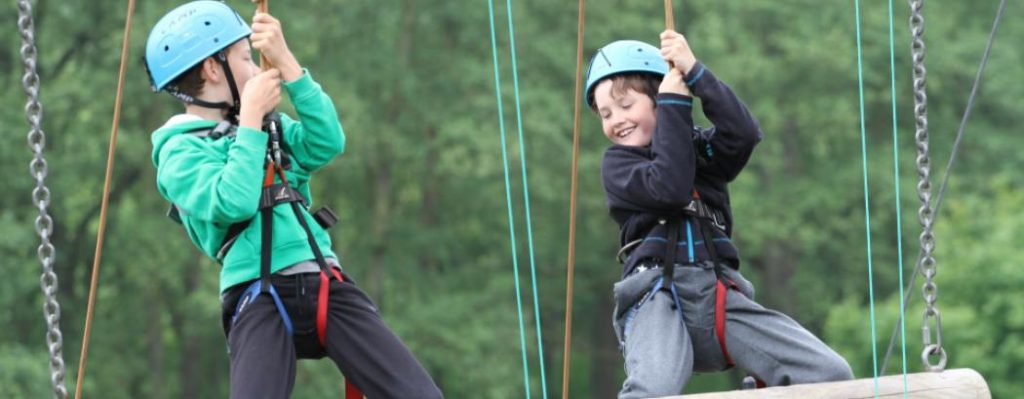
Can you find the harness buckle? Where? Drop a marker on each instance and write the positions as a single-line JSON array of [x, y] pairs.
[[279, 194], [699, 208], [325, 217]]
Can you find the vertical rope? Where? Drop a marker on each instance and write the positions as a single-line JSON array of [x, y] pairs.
[[94, 281], [670, 23], [571, 262], [896, 179], [263, 7], [867, 193], [526, 200], [508, 197]]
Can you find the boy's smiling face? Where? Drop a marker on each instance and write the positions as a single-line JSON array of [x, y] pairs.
[[627, 117]]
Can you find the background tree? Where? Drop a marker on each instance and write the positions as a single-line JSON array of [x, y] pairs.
[[421, 200]]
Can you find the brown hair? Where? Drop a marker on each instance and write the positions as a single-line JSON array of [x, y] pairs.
[[644, 83], [191, 82]]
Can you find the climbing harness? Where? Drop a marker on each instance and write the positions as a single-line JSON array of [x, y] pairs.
[[707, 218], [41, 197], [272, 195]]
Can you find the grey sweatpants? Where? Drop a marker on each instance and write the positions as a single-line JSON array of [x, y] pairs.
[[664, 345]]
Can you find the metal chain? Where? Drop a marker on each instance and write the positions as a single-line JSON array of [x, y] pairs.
[[926, 262], [41, 197]]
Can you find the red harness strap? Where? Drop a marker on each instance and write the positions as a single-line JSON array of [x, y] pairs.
[[321, 305], [721, 291], [351, 391]]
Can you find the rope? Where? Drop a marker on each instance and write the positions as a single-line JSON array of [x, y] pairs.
[[508, 201], [956, 148], [41, 198], [94, 282], [571, 262], [263, 7], [670, 23], [896, 182], [526, 199], [867, 192]]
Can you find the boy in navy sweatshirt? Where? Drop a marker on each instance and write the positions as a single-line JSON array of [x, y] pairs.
[[682, 305]]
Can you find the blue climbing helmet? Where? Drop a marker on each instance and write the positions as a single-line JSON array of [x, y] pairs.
[[623, 56], [188, 35]]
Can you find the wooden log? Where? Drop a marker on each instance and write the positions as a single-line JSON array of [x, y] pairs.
[[958, 384]]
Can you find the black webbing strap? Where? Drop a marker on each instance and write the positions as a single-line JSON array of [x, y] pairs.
[[709, 243], [320, 260], [234, 231], [266, 246], [668, 266]]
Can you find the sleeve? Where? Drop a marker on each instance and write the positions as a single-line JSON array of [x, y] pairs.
[[211, 186], [735, 133], [661, 179], [316, 137]]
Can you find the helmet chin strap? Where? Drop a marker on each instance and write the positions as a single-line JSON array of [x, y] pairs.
[[232, 108]]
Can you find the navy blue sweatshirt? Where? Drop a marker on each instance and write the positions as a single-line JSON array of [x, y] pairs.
[[645, 184]]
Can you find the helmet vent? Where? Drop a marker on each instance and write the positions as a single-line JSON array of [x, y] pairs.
[[216, 40], [167, 48], [207, 23]]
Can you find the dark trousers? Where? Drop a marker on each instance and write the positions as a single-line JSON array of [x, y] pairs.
[[365, 350]]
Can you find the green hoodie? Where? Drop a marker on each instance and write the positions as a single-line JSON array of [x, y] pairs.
[[217, 182]]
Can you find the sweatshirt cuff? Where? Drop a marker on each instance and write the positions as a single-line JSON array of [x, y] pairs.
[[251, 137], [695, 74], [674, 99], [303, 86]]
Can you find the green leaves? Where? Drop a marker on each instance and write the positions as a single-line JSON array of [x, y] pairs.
[[419, 190]]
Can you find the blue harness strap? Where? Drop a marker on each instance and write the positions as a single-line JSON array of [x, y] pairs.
[[658, 285], [253, 292]]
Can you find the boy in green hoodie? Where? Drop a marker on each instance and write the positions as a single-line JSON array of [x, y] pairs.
[[238, 172]]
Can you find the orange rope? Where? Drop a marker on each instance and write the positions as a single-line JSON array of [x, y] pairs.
[[571, 263], [262, 6], [670, 23], [94, 282]]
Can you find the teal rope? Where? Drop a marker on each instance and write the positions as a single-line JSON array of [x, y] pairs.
[[526, 199], [896, 179], [867, 194], [508, 198]]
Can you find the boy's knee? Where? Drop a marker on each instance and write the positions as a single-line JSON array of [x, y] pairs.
[[424, 391], [835, 369]]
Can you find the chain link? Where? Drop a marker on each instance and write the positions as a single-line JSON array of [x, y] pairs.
[[41, 197], [926, 263]]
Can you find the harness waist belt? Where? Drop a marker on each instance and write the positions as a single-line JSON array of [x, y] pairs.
[[702, 210]]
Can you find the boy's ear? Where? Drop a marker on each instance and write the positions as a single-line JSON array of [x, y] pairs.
[[211, 70]]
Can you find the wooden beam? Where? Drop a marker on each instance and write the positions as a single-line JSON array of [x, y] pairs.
[[959, 384]]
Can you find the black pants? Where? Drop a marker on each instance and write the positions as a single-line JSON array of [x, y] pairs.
[[357, 340]]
